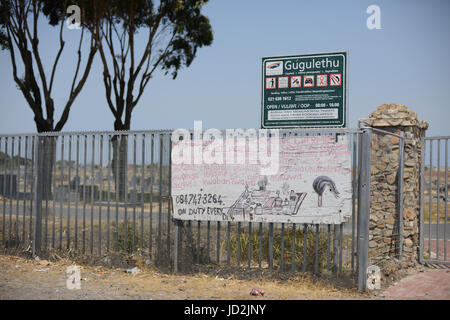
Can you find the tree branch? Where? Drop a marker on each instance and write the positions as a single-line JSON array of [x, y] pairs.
[[61, 47], [74, 93]]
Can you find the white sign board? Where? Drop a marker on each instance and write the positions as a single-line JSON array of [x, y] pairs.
[[312, 185]]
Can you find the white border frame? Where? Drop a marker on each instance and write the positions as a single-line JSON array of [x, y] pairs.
[[319, 54]]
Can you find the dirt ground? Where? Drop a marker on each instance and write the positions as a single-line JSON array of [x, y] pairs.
[[23, 278]]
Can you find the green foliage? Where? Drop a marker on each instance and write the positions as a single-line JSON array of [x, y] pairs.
[[186, 26], [3, 35]]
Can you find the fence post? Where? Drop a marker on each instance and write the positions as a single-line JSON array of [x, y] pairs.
[[364, 207], [422, 188], [401, 152], [175, 245], [270, 258], [38, 185]]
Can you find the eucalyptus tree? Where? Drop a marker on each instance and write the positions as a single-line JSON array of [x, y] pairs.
[[20, 32]]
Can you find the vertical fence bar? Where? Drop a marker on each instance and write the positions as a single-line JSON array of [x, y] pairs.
[[446, 199], [218, 243], [335, 249], [125, 188], [260, 245], [142, 190], [134, 199], [34, 208], [401, 152], [54, 194], [61, 206], [249, 244], [316, 251], [239, 245], [282, 248], [115, 163], [46, 195], [24, 190], [69, 193], [198, 241], [438, 186], [358, 193], [270, 258], [175, 247], [77, 188], [422, 189], [364, 209], [37, 222], [160, 191], [33, 159], [293, 249], [305, 244], [84, 193], [354, 196], [92, 194], [180, 238], [208, 241], [430, 199], [11, 171], [5, 163], [100, 199], [190, 238], [329, 245], [169, 177], [152, 178], [17, 192], [228, 242], [341, 230], [46, 200], [108, 208]]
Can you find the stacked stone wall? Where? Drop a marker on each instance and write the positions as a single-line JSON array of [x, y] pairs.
[[384, 228]]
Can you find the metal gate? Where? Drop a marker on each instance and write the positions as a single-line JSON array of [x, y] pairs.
[[434, 233]]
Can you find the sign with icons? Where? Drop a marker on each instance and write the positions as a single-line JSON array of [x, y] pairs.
[[305, 91]]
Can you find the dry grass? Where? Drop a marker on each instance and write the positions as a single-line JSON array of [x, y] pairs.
[[108, 283]]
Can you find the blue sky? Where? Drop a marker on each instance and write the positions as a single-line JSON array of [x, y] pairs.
[[405, 62]]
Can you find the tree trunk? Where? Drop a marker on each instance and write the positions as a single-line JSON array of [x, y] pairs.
[[120, 165], [45, 160], [46, 149]]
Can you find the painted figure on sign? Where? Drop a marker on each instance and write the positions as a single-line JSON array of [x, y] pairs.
[[278, 200], [319, 186]]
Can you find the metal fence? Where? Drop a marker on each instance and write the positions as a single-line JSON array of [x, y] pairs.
[[434, 246], [93, 193], [90, 192]]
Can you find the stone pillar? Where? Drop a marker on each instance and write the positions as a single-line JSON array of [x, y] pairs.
[[384, 226]]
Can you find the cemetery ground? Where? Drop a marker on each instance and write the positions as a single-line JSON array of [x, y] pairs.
[[25, 278]]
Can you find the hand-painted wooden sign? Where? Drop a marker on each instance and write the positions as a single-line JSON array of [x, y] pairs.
[[312, 185]]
